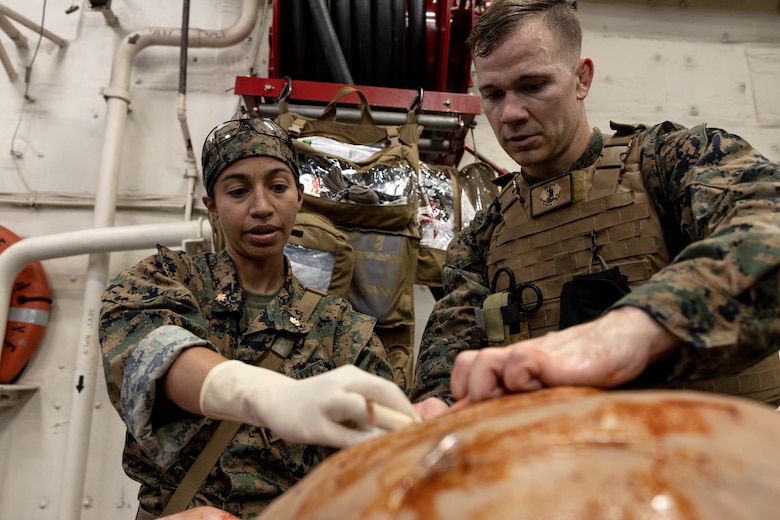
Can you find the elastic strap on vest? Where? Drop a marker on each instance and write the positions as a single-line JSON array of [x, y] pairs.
[[502, 322], [496, 329], [509, 195], [610, 166]]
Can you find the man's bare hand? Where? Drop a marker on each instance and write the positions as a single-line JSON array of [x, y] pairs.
[[606, 352]]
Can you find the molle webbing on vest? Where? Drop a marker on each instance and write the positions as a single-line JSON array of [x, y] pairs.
[[552, 248], [576, 219], [760, 382]]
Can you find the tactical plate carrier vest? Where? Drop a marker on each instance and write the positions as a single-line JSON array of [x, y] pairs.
[[547, 232]]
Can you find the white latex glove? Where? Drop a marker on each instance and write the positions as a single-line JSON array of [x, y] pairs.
[[329, 409]]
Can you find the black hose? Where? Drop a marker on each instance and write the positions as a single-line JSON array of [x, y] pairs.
[[383, 44], [330, 43], [398, 20], [342, 21], [185, 43], [185, 33], [415, 46], [363, 71], [295, 43]]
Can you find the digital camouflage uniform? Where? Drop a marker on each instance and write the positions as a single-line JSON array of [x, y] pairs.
[[717, 200], [171, 301]]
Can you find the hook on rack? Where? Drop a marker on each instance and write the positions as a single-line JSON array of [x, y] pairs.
[[417, 102], [286, 91]]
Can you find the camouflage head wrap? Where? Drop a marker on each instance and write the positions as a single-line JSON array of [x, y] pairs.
[[240, 138]]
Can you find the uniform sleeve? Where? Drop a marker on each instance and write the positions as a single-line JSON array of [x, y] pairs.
[[341, 336], [148, 318], [372, 356], [720, 207], [359, 345], [452, 326]]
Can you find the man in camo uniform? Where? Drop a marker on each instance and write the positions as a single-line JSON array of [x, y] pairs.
[[184, 338], [688, 216]]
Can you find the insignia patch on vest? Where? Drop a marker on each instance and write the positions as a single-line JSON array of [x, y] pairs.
[[551, 195]]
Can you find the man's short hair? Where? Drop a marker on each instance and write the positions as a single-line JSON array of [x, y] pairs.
[[498, 21]]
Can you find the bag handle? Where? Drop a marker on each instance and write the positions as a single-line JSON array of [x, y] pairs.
[[329, 113]]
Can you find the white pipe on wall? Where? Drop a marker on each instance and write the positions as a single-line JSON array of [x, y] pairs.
[[125, 238], [118, 97]]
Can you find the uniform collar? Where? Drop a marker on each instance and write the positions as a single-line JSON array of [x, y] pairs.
[[591, 153], [588, 157], [227, 290], [282, 313]]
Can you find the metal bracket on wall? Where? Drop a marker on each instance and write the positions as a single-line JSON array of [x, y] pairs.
[[18, 38], [11, 395], [104, 6]]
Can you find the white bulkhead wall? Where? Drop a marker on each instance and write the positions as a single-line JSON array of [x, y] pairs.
[[690, 61]]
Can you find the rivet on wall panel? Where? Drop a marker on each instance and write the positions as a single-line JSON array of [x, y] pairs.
[[694, 111]]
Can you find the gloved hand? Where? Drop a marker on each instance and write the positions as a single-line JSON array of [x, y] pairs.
[[336, 408]]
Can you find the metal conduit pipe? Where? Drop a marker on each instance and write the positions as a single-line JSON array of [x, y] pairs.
[[118, 97], [191, 170], [352, 115]]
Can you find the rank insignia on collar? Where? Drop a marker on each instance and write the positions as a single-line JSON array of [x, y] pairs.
[[551, 195], [295, 321]]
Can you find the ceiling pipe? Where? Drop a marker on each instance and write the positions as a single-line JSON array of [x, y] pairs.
[[87, 360]]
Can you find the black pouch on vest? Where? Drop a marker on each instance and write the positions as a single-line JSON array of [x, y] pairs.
[[586, 296]]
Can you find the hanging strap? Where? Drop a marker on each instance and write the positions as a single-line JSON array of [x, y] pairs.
[[218, 442]]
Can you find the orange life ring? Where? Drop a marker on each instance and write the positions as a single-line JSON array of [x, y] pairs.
[[28, 314]]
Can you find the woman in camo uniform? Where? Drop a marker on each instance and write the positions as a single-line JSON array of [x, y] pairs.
[[183, 337]]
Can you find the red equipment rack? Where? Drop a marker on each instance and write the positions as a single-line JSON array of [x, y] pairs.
[[445, 116]]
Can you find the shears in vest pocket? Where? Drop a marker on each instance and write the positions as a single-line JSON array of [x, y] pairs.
[[503, 315]]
